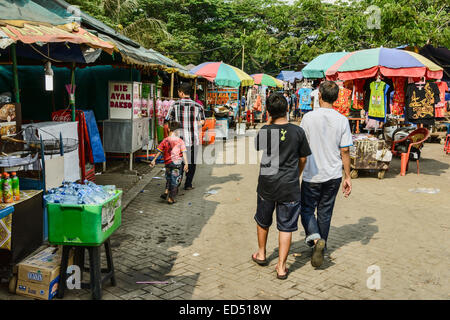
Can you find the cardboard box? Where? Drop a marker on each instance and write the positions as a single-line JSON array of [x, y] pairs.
[[39, 291], [38, 275]]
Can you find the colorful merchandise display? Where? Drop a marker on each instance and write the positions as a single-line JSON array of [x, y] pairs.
[[440, 106], [358, 94], [305, 98], [378, 100], [398, 105], [420, 102], [342, 104]]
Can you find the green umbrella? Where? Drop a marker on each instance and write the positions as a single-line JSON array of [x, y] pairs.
[[266, 80], [318, 66]]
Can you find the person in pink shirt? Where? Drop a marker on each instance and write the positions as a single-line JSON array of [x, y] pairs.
[[175, 161]]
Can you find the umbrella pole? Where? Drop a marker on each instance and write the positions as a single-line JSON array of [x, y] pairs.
[[72, 84], [239, 105], [15, 73]]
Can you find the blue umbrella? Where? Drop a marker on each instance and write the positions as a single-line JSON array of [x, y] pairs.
[[285, 75], [295, 76]]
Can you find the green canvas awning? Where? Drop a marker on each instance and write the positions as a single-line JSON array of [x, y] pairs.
[[27, 10], [131, 52]]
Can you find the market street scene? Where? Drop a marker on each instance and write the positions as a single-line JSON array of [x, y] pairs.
[[224, 150]]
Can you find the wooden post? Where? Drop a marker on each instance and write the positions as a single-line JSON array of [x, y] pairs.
[[172, 82], [195, 88], [243, 53], [206, 93], [15, 73]]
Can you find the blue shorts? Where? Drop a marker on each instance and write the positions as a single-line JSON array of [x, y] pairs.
[[287, 214]]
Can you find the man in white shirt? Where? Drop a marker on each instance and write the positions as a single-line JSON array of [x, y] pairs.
[[329, 136]]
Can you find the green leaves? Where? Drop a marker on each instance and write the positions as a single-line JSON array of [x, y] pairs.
[[278, 35]]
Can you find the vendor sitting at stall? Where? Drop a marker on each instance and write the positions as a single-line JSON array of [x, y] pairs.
[[174, 151]]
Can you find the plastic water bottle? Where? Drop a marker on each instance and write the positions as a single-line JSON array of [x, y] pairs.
[[7, 189], [15, 187]]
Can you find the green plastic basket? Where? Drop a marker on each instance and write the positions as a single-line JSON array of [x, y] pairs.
[[84, 225]]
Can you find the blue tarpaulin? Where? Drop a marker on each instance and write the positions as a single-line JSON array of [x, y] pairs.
[[98, 153]]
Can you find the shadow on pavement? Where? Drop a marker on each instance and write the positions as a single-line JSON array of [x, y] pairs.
[[362, 232], [150, 227]]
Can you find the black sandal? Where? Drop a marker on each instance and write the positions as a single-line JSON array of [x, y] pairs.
[[284, 276], [258, 261], [164, 196]]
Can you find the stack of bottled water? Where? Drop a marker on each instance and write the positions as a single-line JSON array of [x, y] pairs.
[[74, 193]]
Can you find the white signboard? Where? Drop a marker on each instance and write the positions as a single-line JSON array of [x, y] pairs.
[[124, 100]]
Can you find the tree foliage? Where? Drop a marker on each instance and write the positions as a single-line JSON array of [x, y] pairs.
[[276, 35]]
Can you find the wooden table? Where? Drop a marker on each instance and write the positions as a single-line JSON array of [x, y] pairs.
[[357, 122]]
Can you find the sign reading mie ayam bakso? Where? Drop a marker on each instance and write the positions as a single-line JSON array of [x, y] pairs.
[[124, 100]]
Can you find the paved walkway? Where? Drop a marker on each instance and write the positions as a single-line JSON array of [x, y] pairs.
[[200, 248]]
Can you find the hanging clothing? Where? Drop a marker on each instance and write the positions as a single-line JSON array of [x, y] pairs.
[[305, 98], [315, 98], [398, 103], [258, 104], [367, 90], [420, 103], [440, 106], [342, 104], [358, 94], [378, 100]]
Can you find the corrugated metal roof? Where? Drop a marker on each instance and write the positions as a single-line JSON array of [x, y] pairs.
[[131, 51]]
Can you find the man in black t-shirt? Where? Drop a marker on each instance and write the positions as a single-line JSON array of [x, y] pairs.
[[285, 148]]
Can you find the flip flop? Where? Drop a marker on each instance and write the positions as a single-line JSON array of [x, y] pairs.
[[164, 196], [171, 202], [259, 262], [284, 276]]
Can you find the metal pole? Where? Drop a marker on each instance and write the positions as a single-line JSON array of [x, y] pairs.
[[15, 73], [72, 84]]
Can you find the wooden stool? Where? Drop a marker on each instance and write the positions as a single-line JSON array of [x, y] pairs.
[[98, 275]]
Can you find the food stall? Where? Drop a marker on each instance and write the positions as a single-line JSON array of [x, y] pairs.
[[127, 130], [229, 79], [21, 211], [224, 103]]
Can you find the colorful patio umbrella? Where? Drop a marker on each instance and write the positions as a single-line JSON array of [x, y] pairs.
[[285, 75], [298, 75], [317, 67], [390, 62], [263, 79], [223, 75]]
